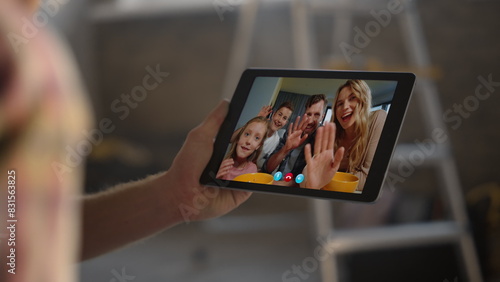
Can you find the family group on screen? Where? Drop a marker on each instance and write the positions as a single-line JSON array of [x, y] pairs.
[[311, 151]]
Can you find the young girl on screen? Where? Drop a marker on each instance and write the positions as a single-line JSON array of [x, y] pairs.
[[245, 149]]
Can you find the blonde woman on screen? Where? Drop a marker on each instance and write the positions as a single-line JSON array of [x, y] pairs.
[[357, 129]]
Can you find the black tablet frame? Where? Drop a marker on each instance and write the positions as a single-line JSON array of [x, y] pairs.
[[383, 154]]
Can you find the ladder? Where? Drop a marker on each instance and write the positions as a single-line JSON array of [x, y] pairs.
[[454, 230]]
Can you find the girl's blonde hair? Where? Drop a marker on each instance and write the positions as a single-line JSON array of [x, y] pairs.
[[253, 157], [357, 150]]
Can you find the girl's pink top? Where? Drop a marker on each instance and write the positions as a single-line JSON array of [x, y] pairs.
[[234, 171]]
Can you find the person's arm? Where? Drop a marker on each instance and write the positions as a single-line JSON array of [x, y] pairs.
[[293, 140], [126, 213], [135, 210], [276, 158]]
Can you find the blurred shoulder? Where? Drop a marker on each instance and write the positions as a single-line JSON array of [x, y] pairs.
[[378, 116]]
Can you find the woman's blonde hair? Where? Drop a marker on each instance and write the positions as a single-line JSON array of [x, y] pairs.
[[253, 157], [360, 143]]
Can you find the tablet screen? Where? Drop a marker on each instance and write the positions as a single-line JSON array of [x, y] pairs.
[[280, 121]]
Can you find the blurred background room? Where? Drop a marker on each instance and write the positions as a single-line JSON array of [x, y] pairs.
[[201, 48]]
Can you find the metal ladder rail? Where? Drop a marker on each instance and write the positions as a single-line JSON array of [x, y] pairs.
[[429, 99], [408, 234], [455, 230], [241, 46]]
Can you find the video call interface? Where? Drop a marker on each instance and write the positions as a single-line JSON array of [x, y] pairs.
[[283, 114]]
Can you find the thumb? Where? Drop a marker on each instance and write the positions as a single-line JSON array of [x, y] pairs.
[[210, 126], [307, 153], [199, 142], [338, 158]]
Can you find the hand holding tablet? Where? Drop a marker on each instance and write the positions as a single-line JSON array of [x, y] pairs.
[[345, 125]]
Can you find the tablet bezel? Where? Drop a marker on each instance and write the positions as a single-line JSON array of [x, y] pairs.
[[385, 148]]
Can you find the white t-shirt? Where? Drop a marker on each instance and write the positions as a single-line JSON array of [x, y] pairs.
[[269, 145]]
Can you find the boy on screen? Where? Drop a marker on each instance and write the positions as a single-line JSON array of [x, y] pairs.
[[289, 157], [277, 121]]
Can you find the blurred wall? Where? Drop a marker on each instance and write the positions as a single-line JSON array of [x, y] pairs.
[[188, 50], [192, 46]]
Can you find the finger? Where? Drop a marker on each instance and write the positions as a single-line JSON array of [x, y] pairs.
[[307, 153], [304, 122], [297, 123], [240, 196], [338, 158], [210, 126], [199, 142], [326, 136], [223, 166], [303, 138], [331, 136], [318, 142], [222, 171], [290, 128], [228, 163]]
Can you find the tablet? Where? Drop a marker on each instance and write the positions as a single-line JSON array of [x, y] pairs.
[[268, 141]]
